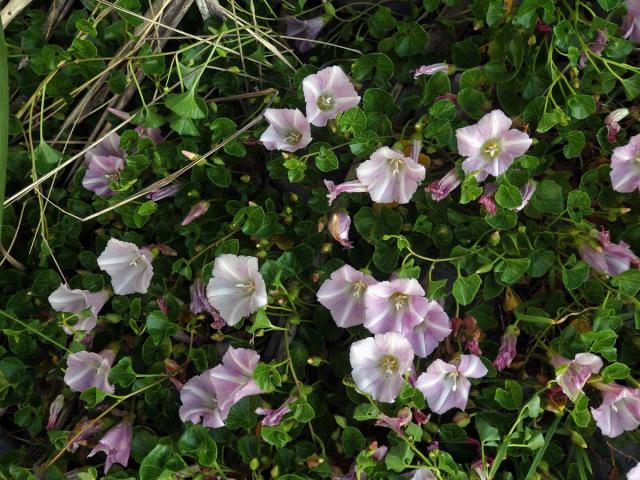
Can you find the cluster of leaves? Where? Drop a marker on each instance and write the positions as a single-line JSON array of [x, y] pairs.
[[205, 90]]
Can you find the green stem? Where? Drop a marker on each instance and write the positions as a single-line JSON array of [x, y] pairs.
[[33, 330], [4, 119]]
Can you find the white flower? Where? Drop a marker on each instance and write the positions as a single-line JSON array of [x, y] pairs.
[[128, 266]]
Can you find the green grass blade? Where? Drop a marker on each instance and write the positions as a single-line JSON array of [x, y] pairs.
[[4, 120]]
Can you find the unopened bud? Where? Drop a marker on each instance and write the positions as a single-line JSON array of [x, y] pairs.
[[494, 239], [314, 361], [254, 464], [578, 440], [462, 419]]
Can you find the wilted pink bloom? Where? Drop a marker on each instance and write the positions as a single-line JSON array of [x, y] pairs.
[[631, 21], [481, 468], [423, 474], [379, 453], [83, 303], [431, 69], [490, 145], [434, 328], [104, 163], [440, 189], [196, 211], [507, 351], [200, 304], [236, 288], [128, 266], [354, 186], [634, 473], [88, 369], [487, 199], [542, 27], [339, 224], [473, 347], [83, 430], [527, 192], [625, 167], [573, 374], [343, 295], [608, 257], [620, 410], [395, 306], [54, 410], [200, 402], [116, 444], [395, 423], [419, 417], [379, 364], [288, 130], [273, 416], [328, 93], [597, 47], [165, 192], [162, 305], [446, 386], [153, 134], [611, 122], [303, 29], [233, 378]]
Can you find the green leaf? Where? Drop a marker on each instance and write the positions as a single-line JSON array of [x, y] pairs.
[[303, 412], [4, 120], [381, 22], [411, 39], [376, 67], [219, 175], [627, 282], [509, 397], [364, 144], [575, 144], [326, 160], [580, 413], [581, 106], [631, 86], [267, 377], [466, 288], [92, 397], [353, 441], [197, 442], [548, 197], [573, 277], [472, 101], [122, 373], [160, 463], [513, 270], [159, 327], [353, 120], [470, 190], [508, 196], [372, 226], [275, 436], [578, 205], [243, 414], [187, 105], [376, 100], [615, 371]]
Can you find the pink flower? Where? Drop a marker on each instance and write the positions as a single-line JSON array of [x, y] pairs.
[[116, 444], [507, 351], [236, 288], [431, 69], [473, 347], [434, 328], [380, 452], [128, 266], [153, 134], [200, 402], [54, 410], [196, 211], [395, 306], [165, 192], [328, 93], [631, 21], [233, 379], [273, 416], [354, 186], [200, 304], [573, 374], [379, 364], [343, 295], [395, 423], [611, 122], [423, 474], [288, 130], [446, 386], [87, 369], [304, 29], [487, 199], [608, 257], [527, 192], [620, 410], [634, 473], [625, 167], [490, 145], [440, 189], [597, 47], [83, 303], [339, 224], [104, 163]]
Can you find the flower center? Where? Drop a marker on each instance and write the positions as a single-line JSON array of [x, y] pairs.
[[390, 365], [325, 102], [358, 288], [293, 137], [136, 261], [453, 376], [396, 164], [249, 287], [112, 177], [637, 159], [400, 300], [614, 408], [491, 149]]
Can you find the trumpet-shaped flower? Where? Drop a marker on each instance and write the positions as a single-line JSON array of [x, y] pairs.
[[83, 303], [288, 130], [631, 21], [339, 224], [608, 257], [88, 369], [343, 294], [128, 266], [611, 122], [233, 378], [625, 166], [104, 163], [620, 410], [200, 402], [446, 386], [431, 69], [273, 416], [304, 30], [434, 328], [116, 444], [236, 288], [491, 145], [573, 374], [196, 211], [507, 351], [165, 192], [395, 306], [379, 364], [440, 189], [328, 93]]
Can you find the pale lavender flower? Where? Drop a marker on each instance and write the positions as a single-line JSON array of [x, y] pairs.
[[200, 304], [416, 148], [431, 69], [153, 134], [233, 378], [83, 303], [273, 416], [288, 130], [597, 47], [338, 227], [402, 418], [507, 351], [54, 410], [88, 369], [434, 328], [334, 190], [128, 266], [200, 402], [81, 431], [491, 145], [116, 444], [631, 21], [395, 306], [236, 288], [446, 386], [379, 453], [625, 166], [527, 192], [196, 211], [343, 295], [440, 189], [165, 192], [620, 410], [379, 364], [304, 29], [611, 122], [634, 473], [423, 474], [573, 374], [104, 163], [328, 93], [608, 257]]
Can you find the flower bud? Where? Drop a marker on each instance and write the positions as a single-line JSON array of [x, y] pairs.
[[254, 464], [462, 419], [494, 239]]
